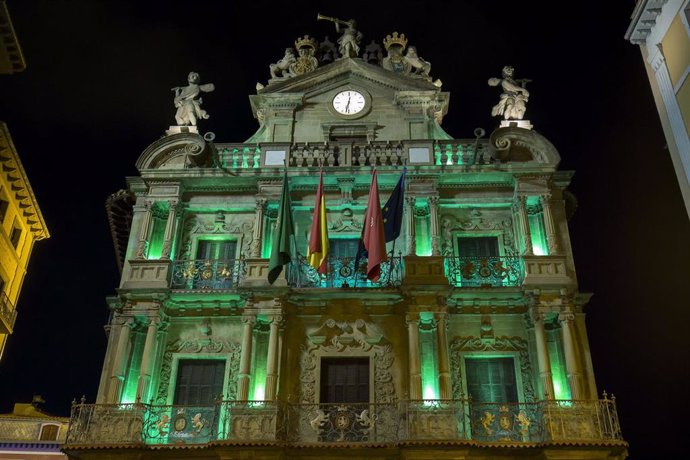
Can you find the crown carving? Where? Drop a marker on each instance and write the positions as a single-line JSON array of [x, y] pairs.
[[305, 41], [395, 39]]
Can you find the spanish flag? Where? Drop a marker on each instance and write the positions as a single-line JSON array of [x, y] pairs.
[[317, 254]]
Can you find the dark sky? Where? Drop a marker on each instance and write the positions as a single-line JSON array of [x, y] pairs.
[[97, 91]]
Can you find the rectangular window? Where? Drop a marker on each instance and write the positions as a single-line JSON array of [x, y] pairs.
[[199, 381], [15, 235], [478, 246], [49, 432], [342, 248], [491, 380], [4, 206], [345, 380], [216, 249]]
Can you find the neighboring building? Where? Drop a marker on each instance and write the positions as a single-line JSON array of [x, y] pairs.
[[472, 342], [21, 222], [27, 433], [662, 29]]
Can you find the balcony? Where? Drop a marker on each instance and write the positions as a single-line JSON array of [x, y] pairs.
[[342, 273], [480, 272], [278, 423], [8, 315], [205, 274]]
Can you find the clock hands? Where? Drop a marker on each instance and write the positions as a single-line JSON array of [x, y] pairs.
[[347, 106]]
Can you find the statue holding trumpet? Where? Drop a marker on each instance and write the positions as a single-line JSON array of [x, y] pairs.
[[348, 43]]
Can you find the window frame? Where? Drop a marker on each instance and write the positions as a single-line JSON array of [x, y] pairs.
[[46, 425], [515, 355], [175, 367], [478, 234]]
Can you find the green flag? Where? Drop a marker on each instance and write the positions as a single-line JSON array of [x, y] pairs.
[[281, 249]]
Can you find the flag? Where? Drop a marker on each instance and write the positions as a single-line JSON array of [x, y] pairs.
[[317, 254], [393, 210], [373, 236], [282, 235]]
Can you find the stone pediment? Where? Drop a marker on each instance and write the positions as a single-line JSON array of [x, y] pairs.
[[352, 70]]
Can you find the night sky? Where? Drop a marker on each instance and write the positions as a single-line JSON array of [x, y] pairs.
[[96, 93]]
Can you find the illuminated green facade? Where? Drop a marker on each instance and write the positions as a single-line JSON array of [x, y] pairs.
[[472, 343]]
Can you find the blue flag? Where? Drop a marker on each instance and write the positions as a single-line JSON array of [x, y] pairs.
[[393, 210]]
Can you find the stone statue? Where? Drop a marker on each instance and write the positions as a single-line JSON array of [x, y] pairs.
[[328, 50], [348, 43], [373, 53], [187, 103], [282, 67], [513, 102], [419, 65]]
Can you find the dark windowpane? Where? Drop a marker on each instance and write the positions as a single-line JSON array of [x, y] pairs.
[[481, 246], [491, 379], [342, 248], [344, 380], [199, 381], [216, 249], [3, 209], [15, 235]]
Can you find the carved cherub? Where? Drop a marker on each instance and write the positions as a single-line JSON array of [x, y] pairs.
[[186, 101], [283, 65]]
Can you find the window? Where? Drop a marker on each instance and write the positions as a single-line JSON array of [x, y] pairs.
[[15, 235], [199, 381], [4, 205], [478, 246], [49, 432], [491, 380], [342, 248], [216, 249], [345, 380]]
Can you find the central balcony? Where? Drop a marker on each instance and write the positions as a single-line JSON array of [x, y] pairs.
[[490, 271], [278, 423], [342, 273], [207, 274]]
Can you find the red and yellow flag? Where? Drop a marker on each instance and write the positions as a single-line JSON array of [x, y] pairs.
[[373, 236], [317, 254]]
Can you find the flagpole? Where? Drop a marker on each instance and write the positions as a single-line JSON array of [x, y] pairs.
[[390, 265]]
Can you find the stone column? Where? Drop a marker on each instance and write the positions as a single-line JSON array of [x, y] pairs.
[[144, 230], [524, 225], [415, 364], [246, 358], [543, 359], [272, 361], [549, 225], [572, 368], [435, 233], [444, 383], [258, 227], [147, 358], [411, 243], [169, 229], [117, 375]]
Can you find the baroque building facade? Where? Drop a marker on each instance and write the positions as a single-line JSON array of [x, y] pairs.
[[661, 28], [471, 343]]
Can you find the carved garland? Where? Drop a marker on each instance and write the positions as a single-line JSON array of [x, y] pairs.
[[476, 221], [349, 338], [462, 345], [222, 224], [207, 345]]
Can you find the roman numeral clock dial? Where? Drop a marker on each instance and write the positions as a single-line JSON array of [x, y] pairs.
[[349, 102]]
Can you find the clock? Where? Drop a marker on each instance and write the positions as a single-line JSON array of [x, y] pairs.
[[349, 102]]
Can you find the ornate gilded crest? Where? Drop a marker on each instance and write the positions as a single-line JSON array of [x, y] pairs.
[[395, 46], [306, 61]]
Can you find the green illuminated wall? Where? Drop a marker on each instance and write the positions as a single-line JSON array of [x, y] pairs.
[[538, 233], [129, 389], [422, 228], [428, 354], [157, 235], [561, 388], [260, 353]]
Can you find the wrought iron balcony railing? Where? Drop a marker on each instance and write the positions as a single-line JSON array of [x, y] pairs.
[[8, 314], [484, 271], [342, 273], [589, 421], [204, 274]]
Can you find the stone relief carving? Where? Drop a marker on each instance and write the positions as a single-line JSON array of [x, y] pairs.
[[199, 345], [346, 222], [476, 220], [350, 338], [462, 345], [218, 223]]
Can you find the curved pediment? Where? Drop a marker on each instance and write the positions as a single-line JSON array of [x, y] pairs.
[[176, 151], [519, 145]]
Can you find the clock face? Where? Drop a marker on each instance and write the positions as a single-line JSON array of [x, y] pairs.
[[349, 102]]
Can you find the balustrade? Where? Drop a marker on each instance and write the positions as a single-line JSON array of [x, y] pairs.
[[484, 271], [389, 423], [342, 273], [207, 274]]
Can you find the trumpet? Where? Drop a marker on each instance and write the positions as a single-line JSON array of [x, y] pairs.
[[320, 16]]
